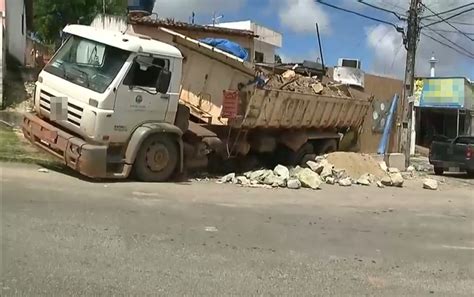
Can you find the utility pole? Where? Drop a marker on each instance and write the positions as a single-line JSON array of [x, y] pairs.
[[413, 31]]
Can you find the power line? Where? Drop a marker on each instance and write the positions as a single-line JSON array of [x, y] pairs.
[[445, 20], [447, 45], [450, 10], [450, 31], [400, 17], [399, 29], [453, 43], [452, 16]]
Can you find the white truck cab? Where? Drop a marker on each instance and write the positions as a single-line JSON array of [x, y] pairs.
[[102, 90]]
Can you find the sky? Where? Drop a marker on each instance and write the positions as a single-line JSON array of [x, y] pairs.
[[378, 46]]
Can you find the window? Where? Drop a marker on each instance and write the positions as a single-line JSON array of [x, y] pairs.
[[87, 63], [258, 57], [145, 71]]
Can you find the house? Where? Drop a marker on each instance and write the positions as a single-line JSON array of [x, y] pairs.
[[261, 48], [444, 106], [265, 43], [19, 21]]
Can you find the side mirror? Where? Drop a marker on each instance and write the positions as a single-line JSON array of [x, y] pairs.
[[163, 81]]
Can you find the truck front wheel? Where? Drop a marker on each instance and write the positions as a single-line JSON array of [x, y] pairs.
[[157, 159]]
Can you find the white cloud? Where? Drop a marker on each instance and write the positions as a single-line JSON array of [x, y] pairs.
[[300, 16], [182, 9], [389, 54]]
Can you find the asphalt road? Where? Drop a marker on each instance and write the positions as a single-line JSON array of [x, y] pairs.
[[62, 236]]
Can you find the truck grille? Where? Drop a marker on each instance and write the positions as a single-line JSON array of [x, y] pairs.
[[74, 112]]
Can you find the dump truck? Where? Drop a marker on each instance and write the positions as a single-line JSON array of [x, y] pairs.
[[110, 105]]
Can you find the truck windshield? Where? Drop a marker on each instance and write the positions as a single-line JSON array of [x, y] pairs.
[[87, 63]]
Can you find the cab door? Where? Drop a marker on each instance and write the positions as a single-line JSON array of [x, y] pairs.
[[137, 100]]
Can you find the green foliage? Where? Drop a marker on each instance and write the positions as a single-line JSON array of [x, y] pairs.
[[50, 16], [278, 59]]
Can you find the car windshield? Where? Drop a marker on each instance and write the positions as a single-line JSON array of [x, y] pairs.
[[87, 63]]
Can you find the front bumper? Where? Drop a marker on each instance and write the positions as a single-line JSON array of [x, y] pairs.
[[88, 159]]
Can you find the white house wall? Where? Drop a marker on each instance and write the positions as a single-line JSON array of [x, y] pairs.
[[16, 29]]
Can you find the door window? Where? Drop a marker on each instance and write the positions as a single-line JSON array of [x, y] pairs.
[[145, 71]]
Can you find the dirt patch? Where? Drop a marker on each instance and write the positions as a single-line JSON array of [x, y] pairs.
[[356, 164]]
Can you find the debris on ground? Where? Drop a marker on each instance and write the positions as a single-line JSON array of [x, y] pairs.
[[356, 164], [340, 168], [430, 184], [43, 170]]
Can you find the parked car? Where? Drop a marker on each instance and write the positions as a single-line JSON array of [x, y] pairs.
[[457, 154]]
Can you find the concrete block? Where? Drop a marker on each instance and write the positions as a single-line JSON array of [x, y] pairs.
[[397, 160]]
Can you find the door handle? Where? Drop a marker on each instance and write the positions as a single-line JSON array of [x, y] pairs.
[[165, 96]]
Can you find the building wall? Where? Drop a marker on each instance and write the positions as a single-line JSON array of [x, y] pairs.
[[383, 89], [266, 49], [16, 28]]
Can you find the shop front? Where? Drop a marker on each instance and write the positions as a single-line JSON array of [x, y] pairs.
[[444, 108]]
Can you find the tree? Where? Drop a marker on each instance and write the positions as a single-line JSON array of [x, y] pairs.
[[51, 16], [278, 59]]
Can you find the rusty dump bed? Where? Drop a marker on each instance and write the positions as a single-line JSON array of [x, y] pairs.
[[287, 110]]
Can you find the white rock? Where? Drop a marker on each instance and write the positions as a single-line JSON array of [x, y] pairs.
[[293, 184], [397, 179], [294, 171], [363, 181], [393, 170], [43, 170], [309, 178], [274, 181], [430, 184], [386, 181], [380, 185], [339, 174], [259, 175], [383, 165], [319, 159], [330, 180], [242, 180], [316, 167], [411, 169], [282, 171], [345, 182], [227, 178]]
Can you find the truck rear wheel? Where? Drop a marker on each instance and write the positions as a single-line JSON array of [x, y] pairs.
[[157, 159], [328, 146]]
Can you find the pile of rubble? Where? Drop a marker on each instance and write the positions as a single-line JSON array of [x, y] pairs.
[[313, 176], [291, 81]]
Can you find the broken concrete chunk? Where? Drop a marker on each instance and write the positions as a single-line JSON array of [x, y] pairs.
[[317, 87], [383, 165], [259, 175], [411, 169], [242, 180], [319, 159], [43, 170], [274, 181], [314, 166], [293, 184], [393, 170], [227, 178], [397, 179], [282, 171], [430, 184], [288, 74], [386, 181], [380, 184], [330, 180], [363, 181], [294, 171], [345, 182], [309, 178]]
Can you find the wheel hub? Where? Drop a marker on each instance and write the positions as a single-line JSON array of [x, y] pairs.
[[157, 157]]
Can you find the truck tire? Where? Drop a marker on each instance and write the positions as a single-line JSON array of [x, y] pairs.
[[328, 146], [438, 170], [298, 157], [157, 159]]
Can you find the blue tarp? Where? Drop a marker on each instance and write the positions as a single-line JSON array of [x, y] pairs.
[[227, 46]]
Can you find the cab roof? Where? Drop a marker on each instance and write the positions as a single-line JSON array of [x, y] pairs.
[[126, 42]]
